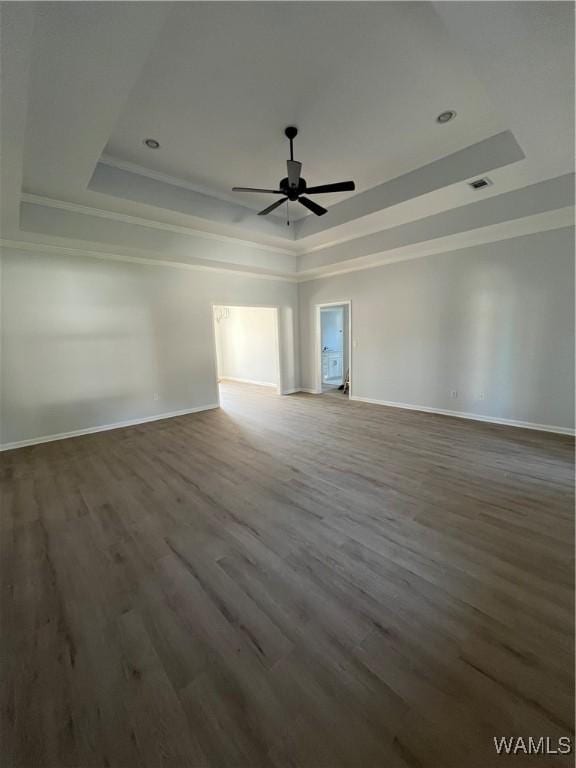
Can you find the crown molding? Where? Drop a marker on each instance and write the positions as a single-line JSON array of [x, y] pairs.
[[165, 178], [126, 218], [562, 218], [495, 152], [555, 219], [55, 249]]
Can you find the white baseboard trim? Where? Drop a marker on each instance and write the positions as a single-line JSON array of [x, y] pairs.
[[104, 427], [308, 390], [466, 415], [291, 391], [249, 381]]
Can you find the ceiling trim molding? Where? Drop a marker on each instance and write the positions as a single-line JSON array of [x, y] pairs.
[[559, 219], [494, 152], [504, 210], [53, 249], [562, 218], [126, 165], [126, 218], [205, 211]]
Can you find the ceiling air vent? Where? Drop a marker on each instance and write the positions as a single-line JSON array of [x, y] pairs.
[[480, 183]]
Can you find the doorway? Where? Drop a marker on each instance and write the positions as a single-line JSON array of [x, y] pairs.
[[333, 348], [247, 345]]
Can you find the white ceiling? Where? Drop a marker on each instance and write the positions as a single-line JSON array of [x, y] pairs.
[[224, 79], [216, 83]]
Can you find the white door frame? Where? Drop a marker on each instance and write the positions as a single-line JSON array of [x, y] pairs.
[[318, 342], [277, 336]]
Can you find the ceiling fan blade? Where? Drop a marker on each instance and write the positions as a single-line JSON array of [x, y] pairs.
[[312, 206], [253, 189], [294, 168], [272, 207], [339, 186]]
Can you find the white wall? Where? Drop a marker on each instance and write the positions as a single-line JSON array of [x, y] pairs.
[[494, 322], [87, 342], [247, 345]]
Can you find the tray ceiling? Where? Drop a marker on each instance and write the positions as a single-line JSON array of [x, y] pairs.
[[216, 83]]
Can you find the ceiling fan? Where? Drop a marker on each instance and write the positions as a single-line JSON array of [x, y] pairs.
[[293, 186]]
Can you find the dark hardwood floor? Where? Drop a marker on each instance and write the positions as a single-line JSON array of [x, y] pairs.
[[296, 581]]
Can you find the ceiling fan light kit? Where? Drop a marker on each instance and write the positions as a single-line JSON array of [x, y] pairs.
[[293, 186]]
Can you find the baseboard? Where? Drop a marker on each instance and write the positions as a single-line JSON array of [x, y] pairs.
[[248, 381], [187, 411], [471, 416], [291, 391], [104, 427]]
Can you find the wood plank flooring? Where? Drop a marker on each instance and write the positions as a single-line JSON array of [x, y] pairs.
[[296, 581]]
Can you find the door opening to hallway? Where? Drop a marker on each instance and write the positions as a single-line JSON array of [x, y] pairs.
[[247, 345]]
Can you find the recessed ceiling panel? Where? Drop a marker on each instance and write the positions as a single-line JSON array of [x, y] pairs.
[[364, 83]]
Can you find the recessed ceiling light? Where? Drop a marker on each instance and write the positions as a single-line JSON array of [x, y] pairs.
[[152, 143], [445, 117]]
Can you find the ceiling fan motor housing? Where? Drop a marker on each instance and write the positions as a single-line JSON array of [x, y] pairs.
[[293, 193]]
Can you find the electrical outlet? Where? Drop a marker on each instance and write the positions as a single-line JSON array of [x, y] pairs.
[[481, 396], [454, 393], [155, 396]]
